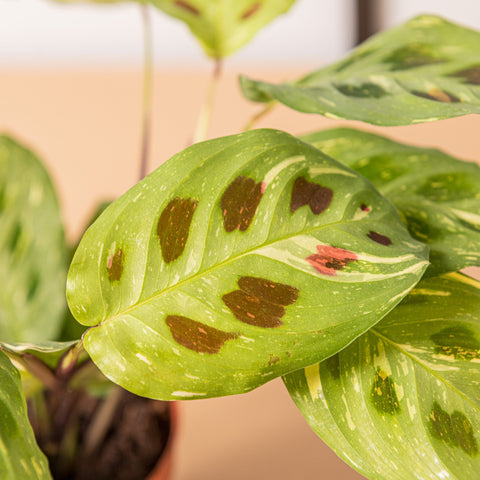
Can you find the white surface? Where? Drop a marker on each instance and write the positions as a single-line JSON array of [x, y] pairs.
[[44, 33]]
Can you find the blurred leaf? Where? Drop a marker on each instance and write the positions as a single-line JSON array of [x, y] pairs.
[[403, 400], [424, 70], [240, 259], [437, 195], [32, 248], [20, 457], [223, 26]]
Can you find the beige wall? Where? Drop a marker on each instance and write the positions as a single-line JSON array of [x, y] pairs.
[[86, 127]]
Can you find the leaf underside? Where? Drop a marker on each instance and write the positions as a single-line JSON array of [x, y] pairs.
[[224, 26], [427, 69], [437, 195], [239, 260], [32, 248], [20, 456], [403, 400]]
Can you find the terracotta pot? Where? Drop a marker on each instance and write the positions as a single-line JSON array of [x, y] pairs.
[[163, 468]]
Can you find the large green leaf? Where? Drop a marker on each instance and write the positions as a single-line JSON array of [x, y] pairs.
[[223, 26], [32, 248], [424, 70], [240, 259], [403, 401], [437, 195], [20, 457]]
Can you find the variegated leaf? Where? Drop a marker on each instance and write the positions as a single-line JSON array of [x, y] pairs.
[[32, 248], [424, 70], [20, 457], [438, 196], [239, 260], [403, 401], [223, 26]]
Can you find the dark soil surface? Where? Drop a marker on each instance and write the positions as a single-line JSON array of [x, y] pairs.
[[133, 438]]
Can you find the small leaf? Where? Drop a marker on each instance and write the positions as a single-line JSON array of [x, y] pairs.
[[230, 261], [32, 248], [438, 196], [403, 400], [223, 26], [424, 70], [20, 456]]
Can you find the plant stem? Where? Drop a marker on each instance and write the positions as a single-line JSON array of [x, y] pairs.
[[205, 116], [102, 420], [258, 116], [146, 90]]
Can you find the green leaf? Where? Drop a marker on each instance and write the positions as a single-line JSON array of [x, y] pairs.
[[240, 259], [424, 70], [403, 400], [32, 248], [223, 26], [438, 196], [20, 456]]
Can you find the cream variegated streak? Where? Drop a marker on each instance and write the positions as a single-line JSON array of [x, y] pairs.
[[410, 386], [263, 269]]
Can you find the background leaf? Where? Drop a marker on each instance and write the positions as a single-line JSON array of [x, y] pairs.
[[424, 70], [20, 456], [240, 259], [32, 248], [223, 26], [403, 400], [438, 196]]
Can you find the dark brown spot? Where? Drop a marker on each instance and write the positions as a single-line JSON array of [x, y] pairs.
[[318, 198], [457, 342], [115, 265], [379, 238], [330, 259], [260, 302], [455, 429], [365, 208], [239, 203], [186, 6], [437, 95], [197, 336], [251, 10], [470, 75], [384, 396], [174, 225]]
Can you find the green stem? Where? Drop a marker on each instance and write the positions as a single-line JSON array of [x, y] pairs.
[[258, 116], [205, 116], [146, 90]]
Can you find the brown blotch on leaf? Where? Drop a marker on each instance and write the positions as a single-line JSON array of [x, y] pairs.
[[437, 95], [273, 360], [197, 336], [470, 75], [260, 302], [115, 265], [318, 198], [251, 10], [379, 238], [365, 208], [174, 225], [239, 203], [187, 6]]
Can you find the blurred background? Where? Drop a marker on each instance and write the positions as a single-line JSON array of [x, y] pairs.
[[71, 88]]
